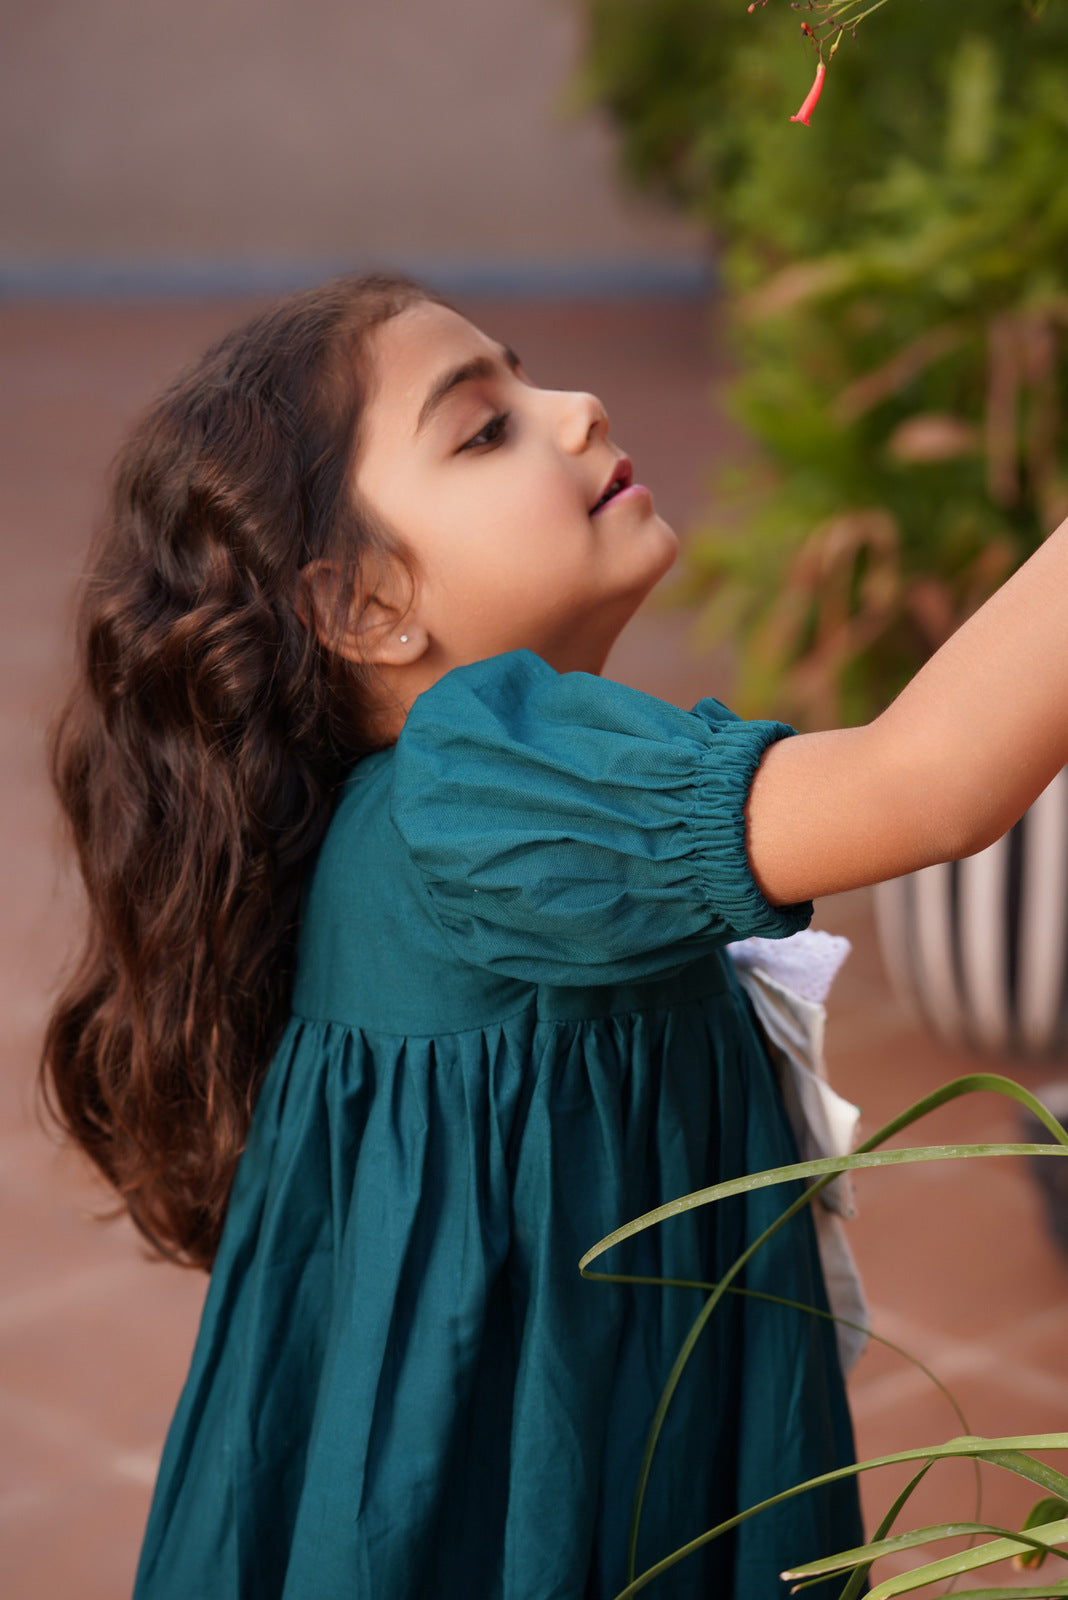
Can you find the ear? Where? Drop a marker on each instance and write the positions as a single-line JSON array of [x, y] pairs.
[[375, 627]]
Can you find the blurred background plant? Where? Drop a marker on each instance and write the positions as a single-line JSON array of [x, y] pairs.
[[897, 281]]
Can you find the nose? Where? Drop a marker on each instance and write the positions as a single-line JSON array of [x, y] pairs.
[[581, 417]]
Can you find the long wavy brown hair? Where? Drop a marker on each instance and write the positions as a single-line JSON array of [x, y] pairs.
[[198, 756]]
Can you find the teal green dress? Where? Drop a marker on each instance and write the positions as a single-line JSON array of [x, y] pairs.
[[513, 1029]]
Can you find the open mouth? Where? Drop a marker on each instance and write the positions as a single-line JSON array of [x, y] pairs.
[[621, 478]]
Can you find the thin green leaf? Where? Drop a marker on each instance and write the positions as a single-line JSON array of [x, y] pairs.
[[1051, 1509], [1039, 1472], [793, 1305], [1008, 1452], [969, 1083], [967, 1561], [1045, 1591], [827, 1167], [822, 1173], [877, 1548], [853, 1587], [856, 1581], [824, 1170]]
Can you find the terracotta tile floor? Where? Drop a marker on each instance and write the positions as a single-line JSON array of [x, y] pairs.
[[94, 1339]]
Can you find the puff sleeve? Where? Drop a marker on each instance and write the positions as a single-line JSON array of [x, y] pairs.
[[573, 831]]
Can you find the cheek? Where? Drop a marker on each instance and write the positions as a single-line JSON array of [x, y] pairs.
[[522, 542], [556, 528], [530, 531]]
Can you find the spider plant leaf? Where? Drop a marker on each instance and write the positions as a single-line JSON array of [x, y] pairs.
[[1045, 1591], [858, 1576], [822, 1173], [1010, 1450], [876, 1548], [1024, 1466], [826, 1167], [1050, 1509], [966, 1561]]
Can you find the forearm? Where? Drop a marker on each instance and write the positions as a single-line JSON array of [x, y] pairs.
[[962, 752]]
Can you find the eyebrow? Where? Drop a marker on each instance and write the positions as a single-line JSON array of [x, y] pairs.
[[466, 372]]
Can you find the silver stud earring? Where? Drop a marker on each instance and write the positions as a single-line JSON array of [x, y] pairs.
[[404, 638]]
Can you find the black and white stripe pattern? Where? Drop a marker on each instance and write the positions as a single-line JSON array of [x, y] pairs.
[[980, 946]]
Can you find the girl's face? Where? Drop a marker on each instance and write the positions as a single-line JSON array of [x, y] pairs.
[[490, 483]]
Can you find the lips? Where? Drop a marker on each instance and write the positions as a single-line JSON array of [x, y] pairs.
[[622, 477]]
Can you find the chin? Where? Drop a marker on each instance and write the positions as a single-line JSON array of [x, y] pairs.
[[671, 540], [665, 554], [632, 600]]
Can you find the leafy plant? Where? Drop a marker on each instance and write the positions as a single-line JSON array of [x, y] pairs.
[[898, 276], [830, 22], [908, 390], [1047, 1525]]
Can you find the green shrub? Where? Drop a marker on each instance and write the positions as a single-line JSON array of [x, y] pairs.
[[899, 282]]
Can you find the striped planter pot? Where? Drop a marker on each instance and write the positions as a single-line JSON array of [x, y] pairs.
[[980, 947]]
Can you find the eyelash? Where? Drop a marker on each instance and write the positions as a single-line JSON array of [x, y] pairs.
[[498, 424]]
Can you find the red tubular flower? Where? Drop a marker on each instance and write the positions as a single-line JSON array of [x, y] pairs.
[[809, 104]]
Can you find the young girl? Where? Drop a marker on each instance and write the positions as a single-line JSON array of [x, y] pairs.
[[405, 979]]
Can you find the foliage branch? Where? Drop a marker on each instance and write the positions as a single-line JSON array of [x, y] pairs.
[[897, 298]]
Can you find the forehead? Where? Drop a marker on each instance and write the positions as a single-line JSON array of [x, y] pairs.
[[409, 352]]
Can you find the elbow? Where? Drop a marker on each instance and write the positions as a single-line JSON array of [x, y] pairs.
[[974, 827], [981, 835]]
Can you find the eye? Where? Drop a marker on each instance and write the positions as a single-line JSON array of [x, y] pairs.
[[492, 434]]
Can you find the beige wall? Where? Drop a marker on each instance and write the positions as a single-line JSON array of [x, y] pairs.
[[309, 130]]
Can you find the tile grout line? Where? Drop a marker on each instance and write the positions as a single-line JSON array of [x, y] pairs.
[[48, 1423], [950, 1359], [31, 1305]]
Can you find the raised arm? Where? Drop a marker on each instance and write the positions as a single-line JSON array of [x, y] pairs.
[[955, 760]]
